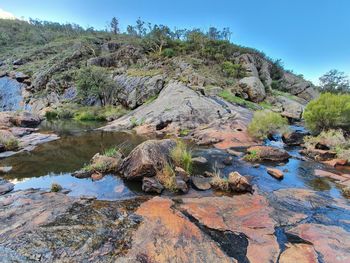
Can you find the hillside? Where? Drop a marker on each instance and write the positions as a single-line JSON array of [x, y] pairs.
[[50, 55]]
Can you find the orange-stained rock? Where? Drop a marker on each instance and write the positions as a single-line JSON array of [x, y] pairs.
[[166, 235], [335, 162], [269, 153], [332, 242], [278, 174], [298, 253], [248, 214]]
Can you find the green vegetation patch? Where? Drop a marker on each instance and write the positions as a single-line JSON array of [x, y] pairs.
[[265, 123], [182, 156]]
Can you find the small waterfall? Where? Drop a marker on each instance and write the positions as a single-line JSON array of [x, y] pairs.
[[10, 94]]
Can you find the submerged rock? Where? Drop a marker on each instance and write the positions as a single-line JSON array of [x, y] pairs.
[[5, 169], [199, 160]]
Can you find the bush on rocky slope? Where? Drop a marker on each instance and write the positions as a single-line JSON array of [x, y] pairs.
[[329, 111], [266, 123]]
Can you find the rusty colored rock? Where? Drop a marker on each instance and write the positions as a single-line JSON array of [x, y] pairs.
[[332, 242], [278, 174], [229, 214], [299, 253], [166, 235]]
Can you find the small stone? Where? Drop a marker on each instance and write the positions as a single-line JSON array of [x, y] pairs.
[[228, 161], [278, 174], [346, 191], [208, 174], [151, 185], [256, 165], [181, 185], [199, 160], [239, 183], [201, 183], [96, 176], [181, 173]]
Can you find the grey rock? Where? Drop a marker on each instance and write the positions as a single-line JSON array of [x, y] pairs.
[[290, 108], [134, 91], [199, 160], [5, 187], [254, 88], [151, 185], [239, 183], [181, 185], [201, 183]]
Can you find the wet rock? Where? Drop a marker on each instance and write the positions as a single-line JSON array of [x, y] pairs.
[[251, 220], [199, 160], [346, 191], [234, 153], [201, 183], [5, 169], [26, 119], [294, 138], [96, 176], [82, 173], [5, 186], [181, 173], [147, 159], [334, 176], [20, 131], [254, 88], [331, 242], [208, 174], [152, 185], [239, 183], [52, 227], [299, 253], [166, 234], [269, 153], [278, 174], [228, 160]]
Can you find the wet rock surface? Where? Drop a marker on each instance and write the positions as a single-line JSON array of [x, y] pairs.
[[269, 153]]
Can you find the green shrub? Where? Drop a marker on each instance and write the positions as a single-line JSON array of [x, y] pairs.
[[232, 70], [50, 115], [252, 156], [181, 156], [329, 111], [95, 82], [265, 123], [168, 52], [56, 188]]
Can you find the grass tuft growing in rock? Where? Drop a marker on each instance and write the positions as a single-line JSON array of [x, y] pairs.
[[111, 152], [182, 156], [167, 178], [56, 188], [266, 123], [9, 141], [253, 156], [220, 183]]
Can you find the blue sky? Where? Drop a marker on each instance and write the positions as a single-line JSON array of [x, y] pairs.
[[310, 36]]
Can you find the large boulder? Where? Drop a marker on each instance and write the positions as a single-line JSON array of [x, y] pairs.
[[147, 159], [179, 107], [254, 88], [290, 108], [269, 153], [133, 91], [298, 86]]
